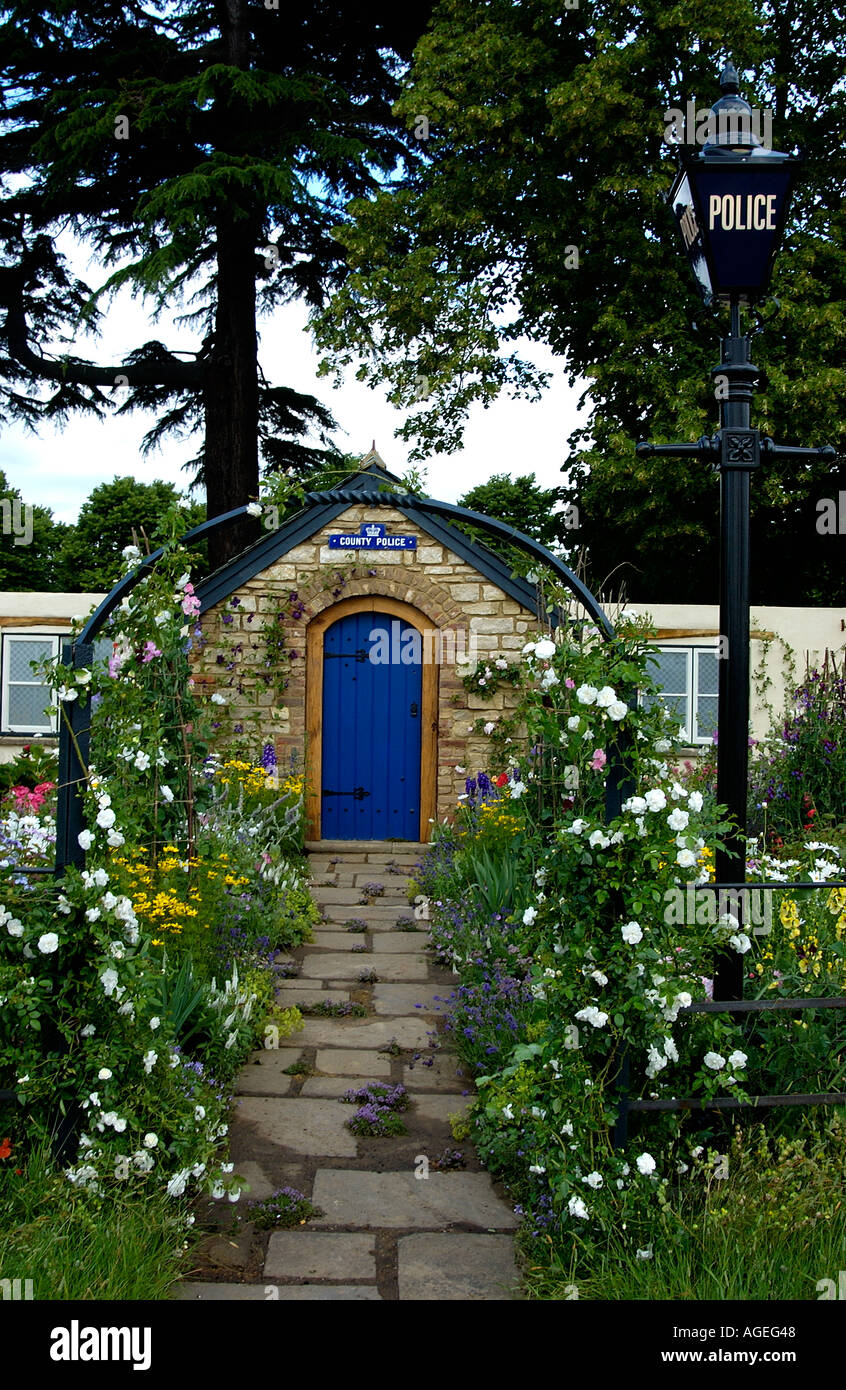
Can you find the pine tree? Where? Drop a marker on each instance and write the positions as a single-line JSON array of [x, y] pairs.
[[201, 149]]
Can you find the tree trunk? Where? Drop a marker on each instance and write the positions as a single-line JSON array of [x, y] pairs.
[[231, 391], [231, 387]]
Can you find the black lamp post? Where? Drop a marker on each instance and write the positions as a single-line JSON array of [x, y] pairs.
[[730, 202]]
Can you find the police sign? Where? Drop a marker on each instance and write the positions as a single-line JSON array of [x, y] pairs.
[[731, 213], [371, 535]]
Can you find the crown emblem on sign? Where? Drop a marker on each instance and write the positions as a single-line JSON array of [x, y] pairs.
[[372, 530]]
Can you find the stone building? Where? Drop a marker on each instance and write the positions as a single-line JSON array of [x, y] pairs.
[[344, 638]]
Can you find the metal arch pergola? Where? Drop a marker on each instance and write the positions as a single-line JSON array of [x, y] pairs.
[[75, 726]]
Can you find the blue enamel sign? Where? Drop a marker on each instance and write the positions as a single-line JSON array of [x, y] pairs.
[[371, 535]]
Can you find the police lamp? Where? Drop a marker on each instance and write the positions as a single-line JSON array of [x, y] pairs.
[[731, 200]]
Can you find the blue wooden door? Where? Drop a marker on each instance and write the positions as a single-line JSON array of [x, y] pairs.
[[370, 781]]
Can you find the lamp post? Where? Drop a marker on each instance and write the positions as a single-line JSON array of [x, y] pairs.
[[730, 202]]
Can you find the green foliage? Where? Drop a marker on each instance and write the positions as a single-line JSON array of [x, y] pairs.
[[540, 214], [75, 1244], [798, 774], [117, 514], [762, 1221], [33, 765], [29, 542]]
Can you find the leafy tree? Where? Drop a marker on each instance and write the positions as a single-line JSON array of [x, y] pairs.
[[120, 513], [526, 506], [541, 212], [202, 150], [29, 538]]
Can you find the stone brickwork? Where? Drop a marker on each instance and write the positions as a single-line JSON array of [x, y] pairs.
[[454, 598]]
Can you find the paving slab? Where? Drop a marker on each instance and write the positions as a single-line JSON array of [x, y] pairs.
[[272, 1293], [457, 1267], [446, 1073], [371, 913], [351, 1062], [440, 1107], [345, 896], [336, 940], [260, 1184], [321, 1255], [336, 1084], [379, 927], [313, 1127], [379, 1200], [400, 942], [360, 1032], [404, 999], [263, 1074], [289, 992], [335, 965]]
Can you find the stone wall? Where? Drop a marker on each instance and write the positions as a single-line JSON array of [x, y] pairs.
[[452, 595]]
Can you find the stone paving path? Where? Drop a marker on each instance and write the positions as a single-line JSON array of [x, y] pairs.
[[386, 1233]]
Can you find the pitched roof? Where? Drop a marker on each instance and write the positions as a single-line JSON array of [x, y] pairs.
[[299, 528]]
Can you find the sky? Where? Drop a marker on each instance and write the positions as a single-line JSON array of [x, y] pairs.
[[58, 468]]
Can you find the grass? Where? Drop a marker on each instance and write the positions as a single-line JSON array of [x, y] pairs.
[[772, 1230], [74, 1245]]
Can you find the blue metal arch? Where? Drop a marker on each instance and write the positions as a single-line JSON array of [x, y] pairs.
[[73, 735]]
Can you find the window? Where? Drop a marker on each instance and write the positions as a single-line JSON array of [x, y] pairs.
[[689, 681], [25, 696]]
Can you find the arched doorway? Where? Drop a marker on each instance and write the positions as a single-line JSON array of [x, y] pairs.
[[371, 719]]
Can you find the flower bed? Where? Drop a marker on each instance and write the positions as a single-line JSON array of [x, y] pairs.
[[133, 989], [580, 942]]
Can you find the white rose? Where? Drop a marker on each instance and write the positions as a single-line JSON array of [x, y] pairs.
[[586, 694], [605, 697], [632, 933], [714, 1061], [48, 943], [655, 800], [106, 818], [617, 710], [737, 1060], [85, 839], [646, 1164]]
